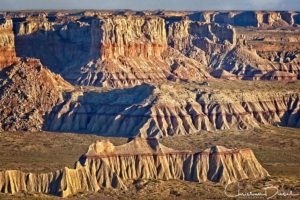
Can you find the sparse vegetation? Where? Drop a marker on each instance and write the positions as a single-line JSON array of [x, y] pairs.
[[275, 147]]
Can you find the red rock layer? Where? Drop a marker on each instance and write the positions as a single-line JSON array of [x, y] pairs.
[[7, 44], [133, 36]]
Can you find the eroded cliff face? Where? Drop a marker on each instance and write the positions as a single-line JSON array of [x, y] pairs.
[[171, 109], [7, 43], [109, 166], [121, 49], [62, 44], [205, 43], [28, 91], [250, 18], [134, 50], [131, 49], [109, 51]]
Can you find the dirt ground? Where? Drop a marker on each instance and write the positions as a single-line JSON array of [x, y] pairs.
[[277, 148]]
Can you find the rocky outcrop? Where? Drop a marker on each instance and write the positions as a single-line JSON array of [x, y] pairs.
[[246, 64], [223, 74], [109, 166], [109, 51], [64, 45], [256, 18], [200, 41], [131, 51], [7, 43], [134, 50], [28, 91], [124, 49], [133, 36], [171, 109], [239, 18], [279, 76]]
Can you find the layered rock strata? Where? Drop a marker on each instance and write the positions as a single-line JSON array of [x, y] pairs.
[[134, 50], [7, 43], [124, 49], [110, 51], [61, 44], [171, 109], [109, 166], [249, 18]]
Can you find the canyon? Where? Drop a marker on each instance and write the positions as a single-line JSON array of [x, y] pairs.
[[125, 49], [146, 76], [148, 55]]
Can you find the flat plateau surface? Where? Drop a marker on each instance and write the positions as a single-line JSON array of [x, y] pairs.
[[277, 148]]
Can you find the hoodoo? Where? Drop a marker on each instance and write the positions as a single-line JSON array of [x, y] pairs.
[[109, 166]]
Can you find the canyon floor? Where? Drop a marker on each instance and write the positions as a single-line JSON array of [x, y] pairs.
[[277, 148]]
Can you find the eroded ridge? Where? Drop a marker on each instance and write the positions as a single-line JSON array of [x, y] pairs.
[[109, 166], [172, 109], [124, 49]]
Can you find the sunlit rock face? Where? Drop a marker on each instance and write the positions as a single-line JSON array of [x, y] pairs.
[[124, 49], [109, 166], [111, 51], [147, 55], [170, 109], [7, 43], [253, 18], [131, 48]]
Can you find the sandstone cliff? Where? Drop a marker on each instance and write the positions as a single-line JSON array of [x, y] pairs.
[[7, 43], [61, 44], [28, 91], [249, 18], [109, 166], [124, 49], [110, 51], [172, 109], [134, 50]]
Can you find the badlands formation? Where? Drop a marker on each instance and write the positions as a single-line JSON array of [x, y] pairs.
[[140, 61], [146, 75], [109, 166]]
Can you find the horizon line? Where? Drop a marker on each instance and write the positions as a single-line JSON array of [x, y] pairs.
[[151, 10]]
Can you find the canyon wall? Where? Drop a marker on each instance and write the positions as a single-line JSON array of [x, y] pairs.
[[120, 49], [109, 166], [131, 49], [7, 43], [249, 18], [114, 50], [110, 51], [61, 44], [134, 50], [168, 110]]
